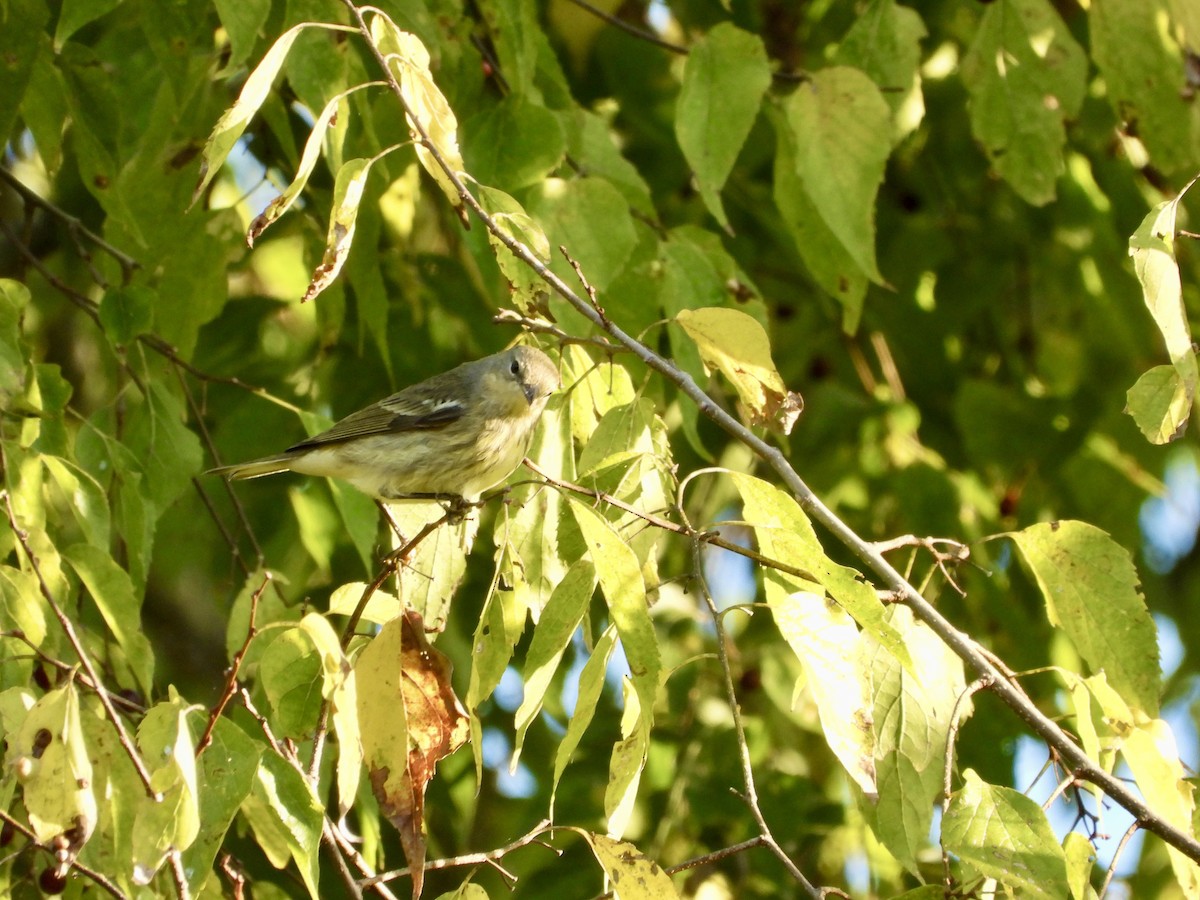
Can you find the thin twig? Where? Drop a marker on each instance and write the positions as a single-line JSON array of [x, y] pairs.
[[541, 326], [335, 850], [750, 791], [712, 538], [1133, 828], [587, 285], [351, 853], [69, 630], [74, 225], [130, 706], [469, 859], [178, 875], [642, 34], [231, 680]]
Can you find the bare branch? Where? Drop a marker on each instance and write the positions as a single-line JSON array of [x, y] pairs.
[[472, 859]]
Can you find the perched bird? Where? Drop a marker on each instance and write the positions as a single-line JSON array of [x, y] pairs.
[[452, 436]]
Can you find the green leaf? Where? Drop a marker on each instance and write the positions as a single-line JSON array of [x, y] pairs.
[[77, 13], [112, 591], [885, 42], [1161, 405], [1026, 74], [21, 610], [1004, 835], [126, 312], [724, 80], [243, 21], [287, 819], [738, 345], [514, 144], [592, 144], [620, 577], [1141, 65], [826, 641], [591, 219], [14, 298], [559, 621], [627, 762], [528, 289], [838, 126], [290, 671], [229, 127], [53, 767], [436, 569], [173, 822], [785, 534], [169, 451], [1079, 854], [911, 717], [591, 685], [633, 876], [21, 43], [348, 190], [533, 533], [226, 769], [408, 61], [1153, 757], [1091, 590], [515, 28], [360, 519], [85, 497]]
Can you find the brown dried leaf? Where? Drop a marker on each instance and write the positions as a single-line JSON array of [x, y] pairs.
[[410, 718]]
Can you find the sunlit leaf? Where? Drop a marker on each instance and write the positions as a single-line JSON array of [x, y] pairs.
[[1153, 757], [408, 61], [1092, 594], [559, 620], [348, 190], [591, 684], [1160, 403], [173, 822], [254, 93], [785, 534], [1004, 835], [826, 641], [52, 765], [632, 875], [738, 345]]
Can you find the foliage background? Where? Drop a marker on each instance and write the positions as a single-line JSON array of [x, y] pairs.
[[974, 384]]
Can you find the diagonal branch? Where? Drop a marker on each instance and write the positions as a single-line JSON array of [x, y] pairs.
[[867, 553]]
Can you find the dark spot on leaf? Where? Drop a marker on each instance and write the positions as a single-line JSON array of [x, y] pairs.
[[41, 741]]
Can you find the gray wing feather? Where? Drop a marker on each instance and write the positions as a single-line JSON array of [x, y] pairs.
[[400, 412]]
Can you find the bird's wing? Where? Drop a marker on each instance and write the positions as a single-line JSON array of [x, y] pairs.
[[405, 411]]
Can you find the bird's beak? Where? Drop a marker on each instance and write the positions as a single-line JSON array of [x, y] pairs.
[[530, 393]]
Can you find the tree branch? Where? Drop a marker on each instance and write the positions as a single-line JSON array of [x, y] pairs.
[[869, 555]]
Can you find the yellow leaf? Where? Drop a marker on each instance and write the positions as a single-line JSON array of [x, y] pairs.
[[736, 344]]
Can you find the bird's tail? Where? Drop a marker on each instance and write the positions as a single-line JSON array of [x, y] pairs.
[[255, 468]]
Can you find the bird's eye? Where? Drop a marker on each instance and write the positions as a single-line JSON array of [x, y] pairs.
[[515, 367]]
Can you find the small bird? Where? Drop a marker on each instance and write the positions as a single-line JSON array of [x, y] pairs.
[[450, 437]]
